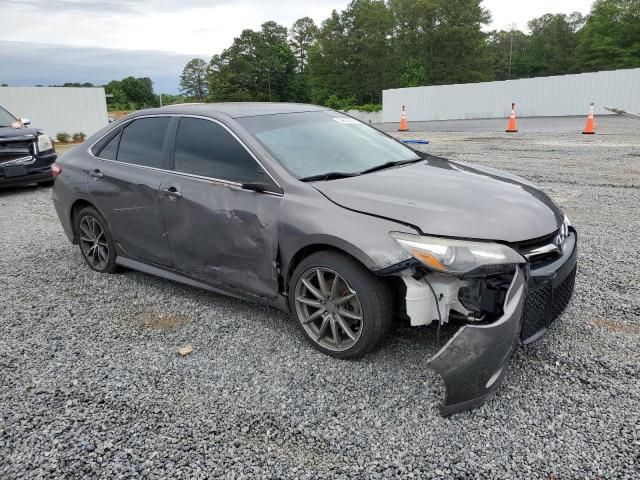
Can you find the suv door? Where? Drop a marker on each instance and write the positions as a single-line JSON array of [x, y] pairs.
[[219, 231], [124, 181]]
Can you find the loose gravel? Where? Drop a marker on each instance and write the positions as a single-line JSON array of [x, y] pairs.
[[91, 384]]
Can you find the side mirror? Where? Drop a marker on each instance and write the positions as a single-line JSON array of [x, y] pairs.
[[260, 187], [25, 121]]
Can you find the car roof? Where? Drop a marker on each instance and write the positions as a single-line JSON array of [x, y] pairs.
[[235, 109]]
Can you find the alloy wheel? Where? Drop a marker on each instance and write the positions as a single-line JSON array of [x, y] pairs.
[[328, 309], [93, 242]]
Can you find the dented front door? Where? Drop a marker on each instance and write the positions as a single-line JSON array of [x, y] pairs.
[[222, 233]]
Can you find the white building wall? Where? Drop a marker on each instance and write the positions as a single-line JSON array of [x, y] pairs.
[[534, 97], [58, 109]]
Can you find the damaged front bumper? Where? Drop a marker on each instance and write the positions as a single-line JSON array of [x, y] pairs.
[[474, 361]]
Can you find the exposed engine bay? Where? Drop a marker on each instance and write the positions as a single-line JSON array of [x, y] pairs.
[[435, 297]]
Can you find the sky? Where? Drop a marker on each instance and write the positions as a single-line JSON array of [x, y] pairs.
[[56, 41]]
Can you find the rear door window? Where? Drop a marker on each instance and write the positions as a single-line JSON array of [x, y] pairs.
[[207, 149], [142, 142]]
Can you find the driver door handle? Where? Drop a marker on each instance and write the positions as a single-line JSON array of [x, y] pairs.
[[96, 173], [172, 192]]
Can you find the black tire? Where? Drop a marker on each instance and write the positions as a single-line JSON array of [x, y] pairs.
[[46, 184], [83, 221], [374, 299]]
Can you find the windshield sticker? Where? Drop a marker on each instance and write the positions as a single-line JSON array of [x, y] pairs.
[[346, 120]]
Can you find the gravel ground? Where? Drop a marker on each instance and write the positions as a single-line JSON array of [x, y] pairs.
[[91, 385]]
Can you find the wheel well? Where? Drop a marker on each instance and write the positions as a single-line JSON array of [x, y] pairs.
[[394, 284], [304, 253], [75, 209]]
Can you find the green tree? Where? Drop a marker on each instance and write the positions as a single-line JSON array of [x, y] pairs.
[[352, 56], [444, 36], [553, 43], [193, 80], [610, 38], [114, 88], [414, 74], [138, 91], [131, 93], [301, 36], [76, 84], [258, 66], [507, 54]]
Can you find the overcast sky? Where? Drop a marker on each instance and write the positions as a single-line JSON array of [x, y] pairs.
[[165, 32]]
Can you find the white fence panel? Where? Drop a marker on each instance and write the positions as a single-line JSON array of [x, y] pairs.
[[58, 109], [535, 97]]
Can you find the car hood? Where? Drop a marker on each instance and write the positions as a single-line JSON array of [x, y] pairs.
[[451, 199], [7, 133]]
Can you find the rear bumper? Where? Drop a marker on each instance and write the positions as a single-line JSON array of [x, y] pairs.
[[474, 362]]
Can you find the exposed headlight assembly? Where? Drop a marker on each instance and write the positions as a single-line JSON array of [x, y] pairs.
[[44, 143], [456, 256]]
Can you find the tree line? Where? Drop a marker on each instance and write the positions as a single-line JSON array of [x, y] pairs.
[[374, 45]]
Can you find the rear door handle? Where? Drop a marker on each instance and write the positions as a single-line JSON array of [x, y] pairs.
[[96, 173], [172, 192]]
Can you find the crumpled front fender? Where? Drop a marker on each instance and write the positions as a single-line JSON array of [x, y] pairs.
[[474, 361]]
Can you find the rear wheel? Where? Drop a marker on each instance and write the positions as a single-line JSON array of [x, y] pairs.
[[46, 184], [342, 308], [94, 239]]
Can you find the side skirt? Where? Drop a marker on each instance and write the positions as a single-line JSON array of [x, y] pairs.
[[279, 302]]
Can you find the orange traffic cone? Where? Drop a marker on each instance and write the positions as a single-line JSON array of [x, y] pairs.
[[590, 127], [512, 128], [403, 121]]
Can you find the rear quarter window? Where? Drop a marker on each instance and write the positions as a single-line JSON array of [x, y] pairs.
[[110, 149]]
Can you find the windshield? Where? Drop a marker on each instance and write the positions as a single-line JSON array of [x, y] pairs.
[[6, 119], [311, 144]]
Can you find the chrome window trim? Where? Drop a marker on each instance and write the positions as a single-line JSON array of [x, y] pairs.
[[201, 177]]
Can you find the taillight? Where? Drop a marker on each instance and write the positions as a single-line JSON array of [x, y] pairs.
[[56, 169]]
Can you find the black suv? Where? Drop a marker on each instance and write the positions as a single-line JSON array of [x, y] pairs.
[[26, 154]]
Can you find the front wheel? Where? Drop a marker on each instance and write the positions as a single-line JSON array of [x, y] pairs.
[[342, 308], [94, 239]]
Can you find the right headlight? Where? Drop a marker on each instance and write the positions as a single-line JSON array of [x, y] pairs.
[[456, 256], [44, 143]]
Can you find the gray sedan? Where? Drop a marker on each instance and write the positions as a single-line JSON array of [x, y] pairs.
[[311, 211]]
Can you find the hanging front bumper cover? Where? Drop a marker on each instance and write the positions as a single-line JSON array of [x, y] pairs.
[[474, 361]]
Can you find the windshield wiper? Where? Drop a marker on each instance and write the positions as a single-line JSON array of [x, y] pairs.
[[329, 176], [389, 165]]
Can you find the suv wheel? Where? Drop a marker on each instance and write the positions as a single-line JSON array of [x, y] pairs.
[[342, 308], [95, 241]]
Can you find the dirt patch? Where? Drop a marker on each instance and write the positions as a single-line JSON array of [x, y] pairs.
[[161, 321], [617, 327]]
